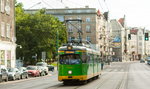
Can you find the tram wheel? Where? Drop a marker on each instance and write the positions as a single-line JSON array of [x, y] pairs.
[[65, 83]]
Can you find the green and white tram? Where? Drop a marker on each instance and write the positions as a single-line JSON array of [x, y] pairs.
[[78, 63]]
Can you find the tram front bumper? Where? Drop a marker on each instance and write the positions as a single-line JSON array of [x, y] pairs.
[[80, 78]]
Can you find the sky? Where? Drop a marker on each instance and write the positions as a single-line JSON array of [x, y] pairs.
[[137, 12]]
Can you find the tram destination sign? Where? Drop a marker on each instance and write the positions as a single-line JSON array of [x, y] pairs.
[[69, 52]]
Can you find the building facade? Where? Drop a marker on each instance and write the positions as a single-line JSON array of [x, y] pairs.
[[7, 33], [147, 44], [118, 39], [135, 43], [94, 25], [87, 20]]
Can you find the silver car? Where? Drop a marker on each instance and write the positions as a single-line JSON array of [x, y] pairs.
[[13, 74]]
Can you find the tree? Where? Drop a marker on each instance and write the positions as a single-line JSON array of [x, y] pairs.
[[37, 33]]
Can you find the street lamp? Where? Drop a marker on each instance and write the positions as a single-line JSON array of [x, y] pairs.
[[19, 46]]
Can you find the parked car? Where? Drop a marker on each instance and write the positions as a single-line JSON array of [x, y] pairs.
[[13, 74], [50, 68], [44, 65], [23, 72], [3, 73], [148, 60], [33, 71], [142, 61], [41, 70], [116, 59]]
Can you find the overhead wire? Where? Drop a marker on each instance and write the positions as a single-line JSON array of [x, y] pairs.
[[106, 5], [47, 4], [74, 3], [100, 5]]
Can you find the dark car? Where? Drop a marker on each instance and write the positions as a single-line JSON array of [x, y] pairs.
[[142, 61], [33, 71], [50, 67], [13, 74], [148, 60], [23, 72], [116, 59], [3, 73]]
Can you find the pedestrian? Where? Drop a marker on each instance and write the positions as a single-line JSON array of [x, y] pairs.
[[102, 65]]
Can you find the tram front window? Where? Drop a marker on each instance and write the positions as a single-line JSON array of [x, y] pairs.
[[69, 59]]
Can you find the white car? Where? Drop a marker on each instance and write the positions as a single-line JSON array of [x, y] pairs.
[[44, 66]]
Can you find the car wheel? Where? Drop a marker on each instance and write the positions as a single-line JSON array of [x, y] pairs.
[[6, 79], [27, 77], [1, 79], [14, 78], [19, 78]]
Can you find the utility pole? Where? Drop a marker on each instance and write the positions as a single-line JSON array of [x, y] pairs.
[[57, 38]]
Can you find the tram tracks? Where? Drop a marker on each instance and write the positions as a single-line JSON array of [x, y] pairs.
[[121, 84], [108, 76]]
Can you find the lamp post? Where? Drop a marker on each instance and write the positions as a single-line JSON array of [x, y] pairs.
[[57, 42], [19, 46]]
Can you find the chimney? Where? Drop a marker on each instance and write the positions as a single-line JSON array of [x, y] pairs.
[[87, 6]]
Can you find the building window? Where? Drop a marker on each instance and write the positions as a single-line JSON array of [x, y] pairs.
[[140, 43], [70, 11], [88, 28], [2, 5], [70, 28], [8, 58], [2, 57], [88, 38], [8, 30], [79, 11], [87, 19], [7, 7], [79, 18], [2, 29], [71, 38], [140, 37]]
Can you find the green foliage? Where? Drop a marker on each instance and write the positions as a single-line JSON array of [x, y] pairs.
[[37, 33]]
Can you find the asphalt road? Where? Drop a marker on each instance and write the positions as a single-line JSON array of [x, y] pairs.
[[120, 75]]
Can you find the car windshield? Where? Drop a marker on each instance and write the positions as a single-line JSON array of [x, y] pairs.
[[40, 64], [31, 68], [69, 59], [148, 57]]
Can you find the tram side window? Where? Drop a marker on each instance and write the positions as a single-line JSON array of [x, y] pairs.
[[98, 59], [88, 58], [84, 58], [91, 58]]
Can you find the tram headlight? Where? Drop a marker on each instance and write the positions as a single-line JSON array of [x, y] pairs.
[[69, 72]]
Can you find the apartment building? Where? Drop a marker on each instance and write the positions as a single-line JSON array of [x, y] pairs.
[[118, 39], [87, 20], [135, 43], [7, 33]]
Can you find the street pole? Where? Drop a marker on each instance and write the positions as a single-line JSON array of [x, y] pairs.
[[57, 38]]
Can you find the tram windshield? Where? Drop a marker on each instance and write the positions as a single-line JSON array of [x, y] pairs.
[[69, 59]]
